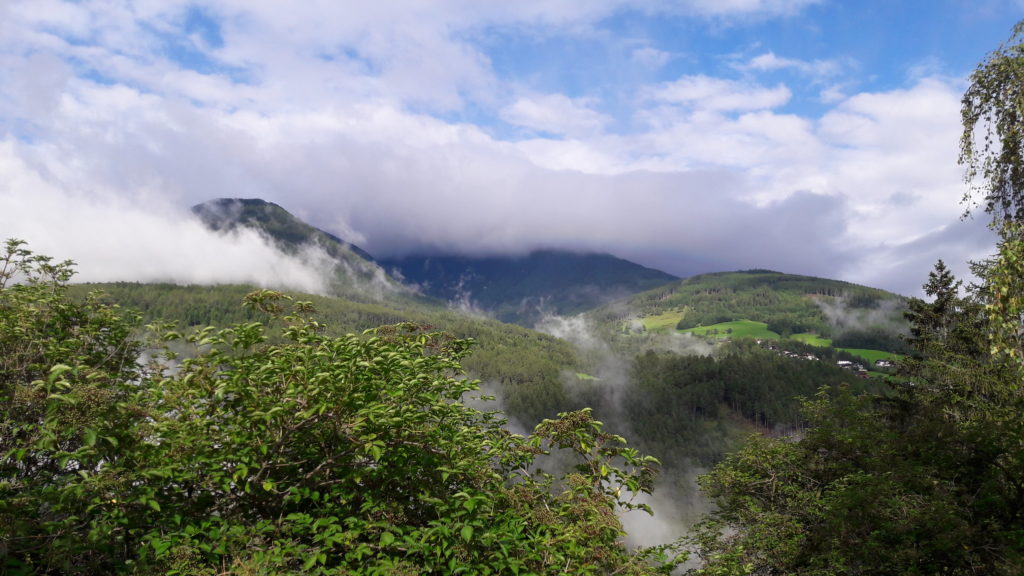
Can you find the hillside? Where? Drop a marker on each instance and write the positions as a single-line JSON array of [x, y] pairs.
[[813, 309], [686, 405], [521, 289], [525, 366]]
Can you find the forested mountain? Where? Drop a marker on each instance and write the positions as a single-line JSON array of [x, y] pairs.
[[521, 289], [682, 405]]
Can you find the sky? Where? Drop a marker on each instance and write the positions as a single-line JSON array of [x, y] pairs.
[[806, 136]]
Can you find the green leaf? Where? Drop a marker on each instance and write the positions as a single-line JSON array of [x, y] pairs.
[[386, 538], [58, 371], [467, 533]]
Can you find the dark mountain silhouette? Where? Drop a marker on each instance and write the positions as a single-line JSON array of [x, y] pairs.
[[521, 289]]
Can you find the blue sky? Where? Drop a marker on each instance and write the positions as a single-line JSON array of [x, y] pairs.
[[814, 137]]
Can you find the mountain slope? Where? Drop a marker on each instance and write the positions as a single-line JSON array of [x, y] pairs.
[[788, 304], [522, 289], [289, 232], [525, 366], [352, 271]]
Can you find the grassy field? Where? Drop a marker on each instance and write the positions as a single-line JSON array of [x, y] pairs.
[[871, 355], [665, 321], [812, 339], [735, 329]]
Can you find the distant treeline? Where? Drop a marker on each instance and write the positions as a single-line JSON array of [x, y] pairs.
[[873, 339], [686, 408]]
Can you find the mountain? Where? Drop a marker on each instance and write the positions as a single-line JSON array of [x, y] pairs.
[[521, 289], [288, 231], [354, 273]]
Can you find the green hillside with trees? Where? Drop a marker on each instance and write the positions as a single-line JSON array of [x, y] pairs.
[[527, 366], [787, 303]]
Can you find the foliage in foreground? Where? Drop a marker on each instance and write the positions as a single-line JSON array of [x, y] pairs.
[[319, 455]]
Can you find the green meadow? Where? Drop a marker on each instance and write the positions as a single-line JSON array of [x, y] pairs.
[[735, 329], [666, 321], [871, 355], [811, 339], [751, 329]]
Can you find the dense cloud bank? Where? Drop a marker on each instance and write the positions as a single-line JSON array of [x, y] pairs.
[[403, 134]]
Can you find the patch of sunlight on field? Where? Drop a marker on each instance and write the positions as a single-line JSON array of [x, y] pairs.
[[662, 322], [811, 339], [735, 329], [871, 355]]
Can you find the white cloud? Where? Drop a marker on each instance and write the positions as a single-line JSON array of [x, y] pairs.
[[769, 62], [650, 57], [112, 238], [718, 94], [343, 114], [747, 7], [555, 114], [832, 94]]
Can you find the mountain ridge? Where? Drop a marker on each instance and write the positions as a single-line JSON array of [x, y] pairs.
[[288, 230], [521, 289], [516, 289]]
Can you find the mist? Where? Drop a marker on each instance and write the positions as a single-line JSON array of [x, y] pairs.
[[142, 239], [887, 315], [676, 502]]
